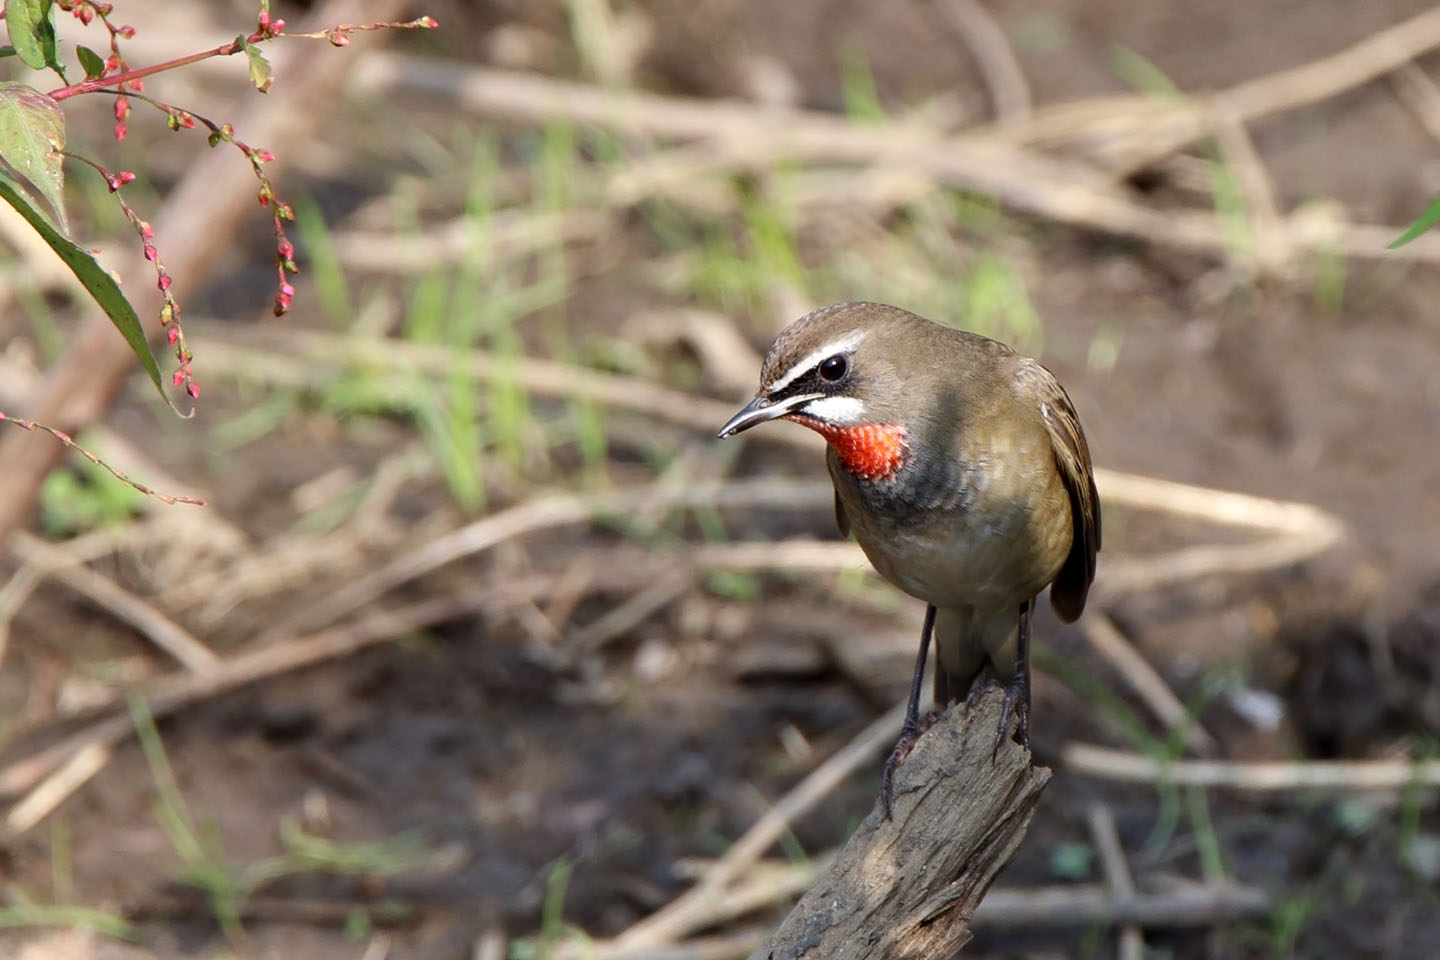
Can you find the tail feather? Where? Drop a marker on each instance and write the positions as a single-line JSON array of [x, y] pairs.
[[964, 644]]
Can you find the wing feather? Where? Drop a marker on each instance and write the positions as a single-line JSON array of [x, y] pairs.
[[1072, 458]]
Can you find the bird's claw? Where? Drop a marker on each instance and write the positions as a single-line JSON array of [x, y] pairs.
[[1017, 700], [909, 734]]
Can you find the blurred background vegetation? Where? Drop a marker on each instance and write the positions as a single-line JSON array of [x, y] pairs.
[[484, 647]]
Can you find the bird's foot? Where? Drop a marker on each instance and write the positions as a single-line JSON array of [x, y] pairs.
[[977, 690], [909, 734], [1017, 700]]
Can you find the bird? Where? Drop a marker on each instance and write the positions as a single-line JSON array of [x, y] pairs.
[[961, 468]]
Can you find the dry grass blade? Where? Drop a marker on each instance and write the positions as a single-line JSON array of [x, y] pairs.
[[703, 903], [172, 694], [1420, 95], [54, 789], [105, 593], [1105, 763], [1083, 905], [1125, 134], [1267, 226], [643, 604], [1117, 875], [987, 42], [1107, 640], [544, 512]]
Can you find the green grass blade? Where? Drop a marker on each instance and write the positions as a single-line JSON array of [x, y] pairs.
[[1424, 222]]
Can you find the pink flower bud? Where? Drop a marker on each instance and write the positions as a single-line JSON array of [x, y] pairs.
[[150, 252], [264, 156], [85, 14], [177, 378], [277, 26], [128, 32], [193, 389], [164, 282], [340, 39], [147, 232], [120, 130], [122, 107], [172, 334], [429, 23], [285, 248], [264, 20]]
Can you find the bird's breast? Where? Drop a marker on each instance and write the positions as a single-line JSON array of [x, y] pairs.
[[988, 534]]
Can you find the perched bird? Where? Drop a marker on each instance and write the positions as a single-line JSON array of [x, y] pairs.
[[960, 467]]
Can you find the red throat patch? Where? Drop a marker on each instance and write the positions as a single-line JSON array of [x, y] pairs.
[[871, 451]]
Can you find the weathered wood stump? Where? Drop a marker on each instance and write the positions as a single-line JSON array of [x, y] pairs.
[[907, 888]]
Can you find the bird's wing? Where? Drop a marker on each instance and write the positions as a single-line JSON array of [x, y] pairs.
[[1072, 457], [841, 521]]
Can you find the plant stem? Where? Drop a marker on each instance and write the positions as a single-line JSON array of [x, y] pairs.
[[100, 83]]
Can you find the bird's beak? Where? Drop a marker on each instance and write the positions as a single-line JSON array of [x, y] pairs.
[[761, 410]]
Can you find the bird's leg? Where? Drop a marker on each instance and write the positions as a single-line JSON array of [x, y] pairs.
[[1017, 690], [910, 732]]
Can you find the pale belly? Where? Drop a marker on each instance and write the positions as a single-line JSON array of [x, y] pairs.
[[989, 559]]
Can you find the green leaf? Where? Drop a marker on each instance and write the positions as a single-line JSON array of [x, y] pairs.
[[97, 282], [91, 62], [259, 67], [32, 134], [32, 30], [1424, 222]]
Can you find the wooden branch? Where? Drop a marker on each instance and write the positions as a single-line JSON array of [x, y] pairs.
[[908, 887]]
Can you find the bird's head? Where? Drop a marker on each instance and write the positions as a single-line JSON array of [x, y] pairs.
[[847, 372]]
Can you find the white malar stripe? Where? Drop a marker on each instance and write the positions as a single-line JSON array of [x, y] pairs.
[[841, 411], [808, 362]]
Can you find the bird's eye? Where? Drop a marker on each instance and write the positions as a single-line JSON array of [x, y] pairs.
[[833, 368]]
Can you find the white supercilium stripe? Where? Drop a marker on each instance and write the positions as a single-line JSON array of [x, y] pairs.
[[848, 342], [841, 411]]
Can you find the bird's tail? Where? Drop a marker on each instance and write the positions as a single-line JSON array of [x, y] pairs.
[[965, 641]]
